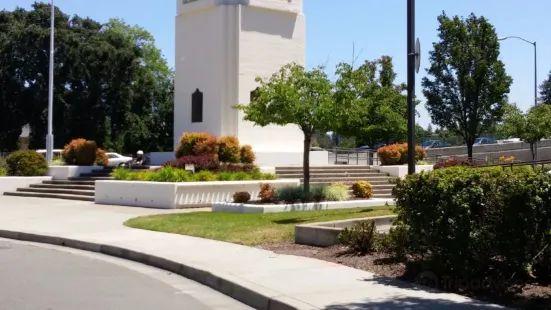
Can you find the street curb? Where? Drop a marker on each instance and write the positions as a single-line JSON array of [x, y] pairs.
[[246, 292]]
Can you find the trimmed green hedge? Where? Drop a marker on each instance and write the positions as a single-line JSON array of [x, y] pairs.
[[171, 174], [26, 164], [469, 221]]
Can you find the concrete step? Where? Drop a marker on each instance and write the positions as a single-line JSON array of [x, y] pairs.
[[333, 174], [57, 191], [95, 175], [348, 179], [90, 178], [324, 167], [47, 195], [67, 182], [382, 186], [377, 195], [327, 170], [64, 186]]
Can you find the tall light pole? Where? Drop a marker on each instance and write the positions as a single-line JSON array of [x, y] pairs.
[[535, 63], [414, 51], [50, 135]]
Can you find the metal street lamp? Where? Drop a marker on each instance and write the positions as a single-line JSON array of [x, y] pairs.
[[413, 63], [535, 64], [50, 135]]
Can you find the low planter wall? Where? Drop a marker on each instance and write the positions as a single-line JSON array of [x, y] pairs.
[[325, 234], [11, 184], [231, 207], [66, 172], [400, 171], [162, 195]]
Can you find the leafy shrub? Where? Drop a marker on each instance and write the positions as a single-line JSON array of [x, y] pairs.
[[204, 176], [360, 238], [229, 151], [397, 154], [200, 163], [470, 221], [456, 161], [207, 146], [291, 194], [389, 155], [3, 167], [232, 167], [247, 155], [26, 164], [267, 176], [173, 174], [506, 159], [80, 152], [241, 197], [189, 140], [362, 189], [101, 158], [267, 193], [58, 161], [335, 193]]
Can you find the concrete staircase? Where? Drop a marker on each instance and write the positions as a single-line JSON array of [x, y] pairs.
[[77, 188], [325, 175]]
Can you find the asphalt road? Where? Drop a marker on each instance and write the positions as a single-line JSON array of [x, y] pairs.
[[43, 277]]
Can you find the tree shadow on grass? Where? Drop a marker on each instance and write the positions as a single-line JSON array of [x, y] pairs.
[[295, 220]]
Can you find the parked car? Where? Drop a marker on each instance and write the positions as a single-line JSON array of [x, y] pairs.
[[115, 159], [484, 140], [510, 140], [433, 144]]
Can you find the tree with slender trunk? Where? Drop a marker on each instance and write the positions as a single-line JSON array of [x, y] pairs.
[[466, 88], [294, 96], [530, 127]]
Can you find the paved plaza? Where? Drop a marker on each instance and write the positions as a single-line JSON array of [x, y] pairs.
[[262, 279]]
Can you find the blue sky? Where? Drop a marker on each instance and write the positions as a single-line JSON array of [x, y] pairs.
[[376, 28]]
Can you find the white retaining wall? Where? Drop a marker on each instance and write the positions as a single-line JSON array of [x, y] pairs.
[[11, 184], [231, 207], [66, 172], [401, 171], [177, 195]]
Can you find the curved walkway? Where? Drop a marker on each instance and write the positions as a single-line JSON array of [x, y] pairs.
[[258, 278]]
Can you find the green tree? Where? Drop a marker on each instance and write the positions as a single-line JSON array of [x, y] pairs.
[[530, 127], [370, 106], [467, 86], [111, 84], [421, 134], [13, 97], [151, 114], [294, 95], [545, 90]]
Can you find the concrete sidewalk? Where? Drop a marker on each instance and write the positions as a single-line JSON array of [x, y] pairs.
[[259, 278]]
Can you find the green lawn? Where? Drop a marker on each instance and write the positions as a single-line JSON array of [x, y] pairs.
[[248, 229]]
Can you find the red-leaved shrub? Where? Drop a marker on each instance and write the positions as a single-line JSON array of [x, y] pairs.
[[456, 161], [200, 163], [397, 154]]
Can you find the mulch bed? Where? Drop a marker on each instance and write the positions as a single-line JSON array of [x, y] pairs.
[[527, 297]]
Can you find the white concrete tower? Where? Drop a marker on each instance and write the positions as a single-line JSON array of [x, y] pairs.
[[221, 47]]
